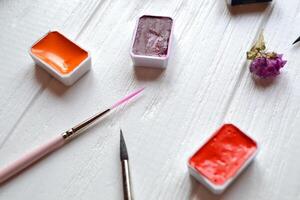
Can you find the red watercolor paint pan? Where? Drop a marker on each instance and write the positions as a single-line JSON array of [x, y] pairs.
[[222, 158]]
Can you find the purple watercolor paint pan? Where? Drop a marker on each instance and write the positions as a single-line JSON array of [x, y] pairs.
[[152, 41]]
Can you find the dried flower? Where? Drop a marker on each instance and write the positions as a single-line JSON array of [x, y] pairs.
[[267, 67], [264, 64]]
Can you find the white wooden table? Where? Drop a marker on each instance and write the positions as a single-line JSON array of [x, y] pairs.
[[206, 84]]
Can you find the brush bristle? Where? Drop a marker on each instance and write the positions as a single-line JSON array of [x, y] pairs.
[[298, 39], [123, 148], [127, 98]]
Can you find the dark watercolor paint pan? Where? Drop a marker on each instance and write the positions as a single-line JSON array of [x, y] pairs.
[[239, 2]]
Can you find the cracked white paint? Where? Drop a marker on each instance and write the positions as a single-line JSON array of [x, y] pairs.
[[206, 84]]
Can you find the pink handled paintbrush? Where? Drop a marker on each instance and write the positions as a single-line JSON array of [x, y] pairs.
[[57, 142]]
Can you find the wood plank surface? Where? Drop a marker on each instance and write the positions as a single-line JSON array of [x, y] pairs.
[[206, 84]]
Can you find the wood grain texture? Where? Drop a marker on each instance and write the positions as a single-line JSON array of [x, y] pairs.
[[206, 84]]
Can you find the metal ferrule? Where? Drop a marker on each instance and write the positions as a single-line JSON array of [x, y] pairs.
[[76, 130], [127, 188], [69, 134]]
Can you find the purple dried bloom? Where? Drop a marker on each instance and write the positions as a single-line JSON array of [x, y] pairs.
[[265, 67]]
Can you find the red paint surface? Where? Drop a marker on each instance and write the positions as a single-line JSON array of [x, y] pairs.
[[224, 154]]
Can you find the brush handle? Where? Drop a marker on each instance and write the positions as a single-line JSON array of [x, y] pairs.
[[30, 157]]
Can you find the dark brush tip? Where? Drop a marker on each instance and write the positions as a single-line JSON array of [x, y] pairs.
[[298, 39], [123, 148]]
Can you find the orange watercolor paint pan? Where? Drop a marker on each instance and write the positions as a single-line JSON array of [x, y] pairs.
[[218, 162], [61, 57]]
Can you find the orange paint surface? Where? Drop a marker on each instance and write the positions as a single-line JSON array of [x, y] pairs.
[[224, 154], [59, 52]]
